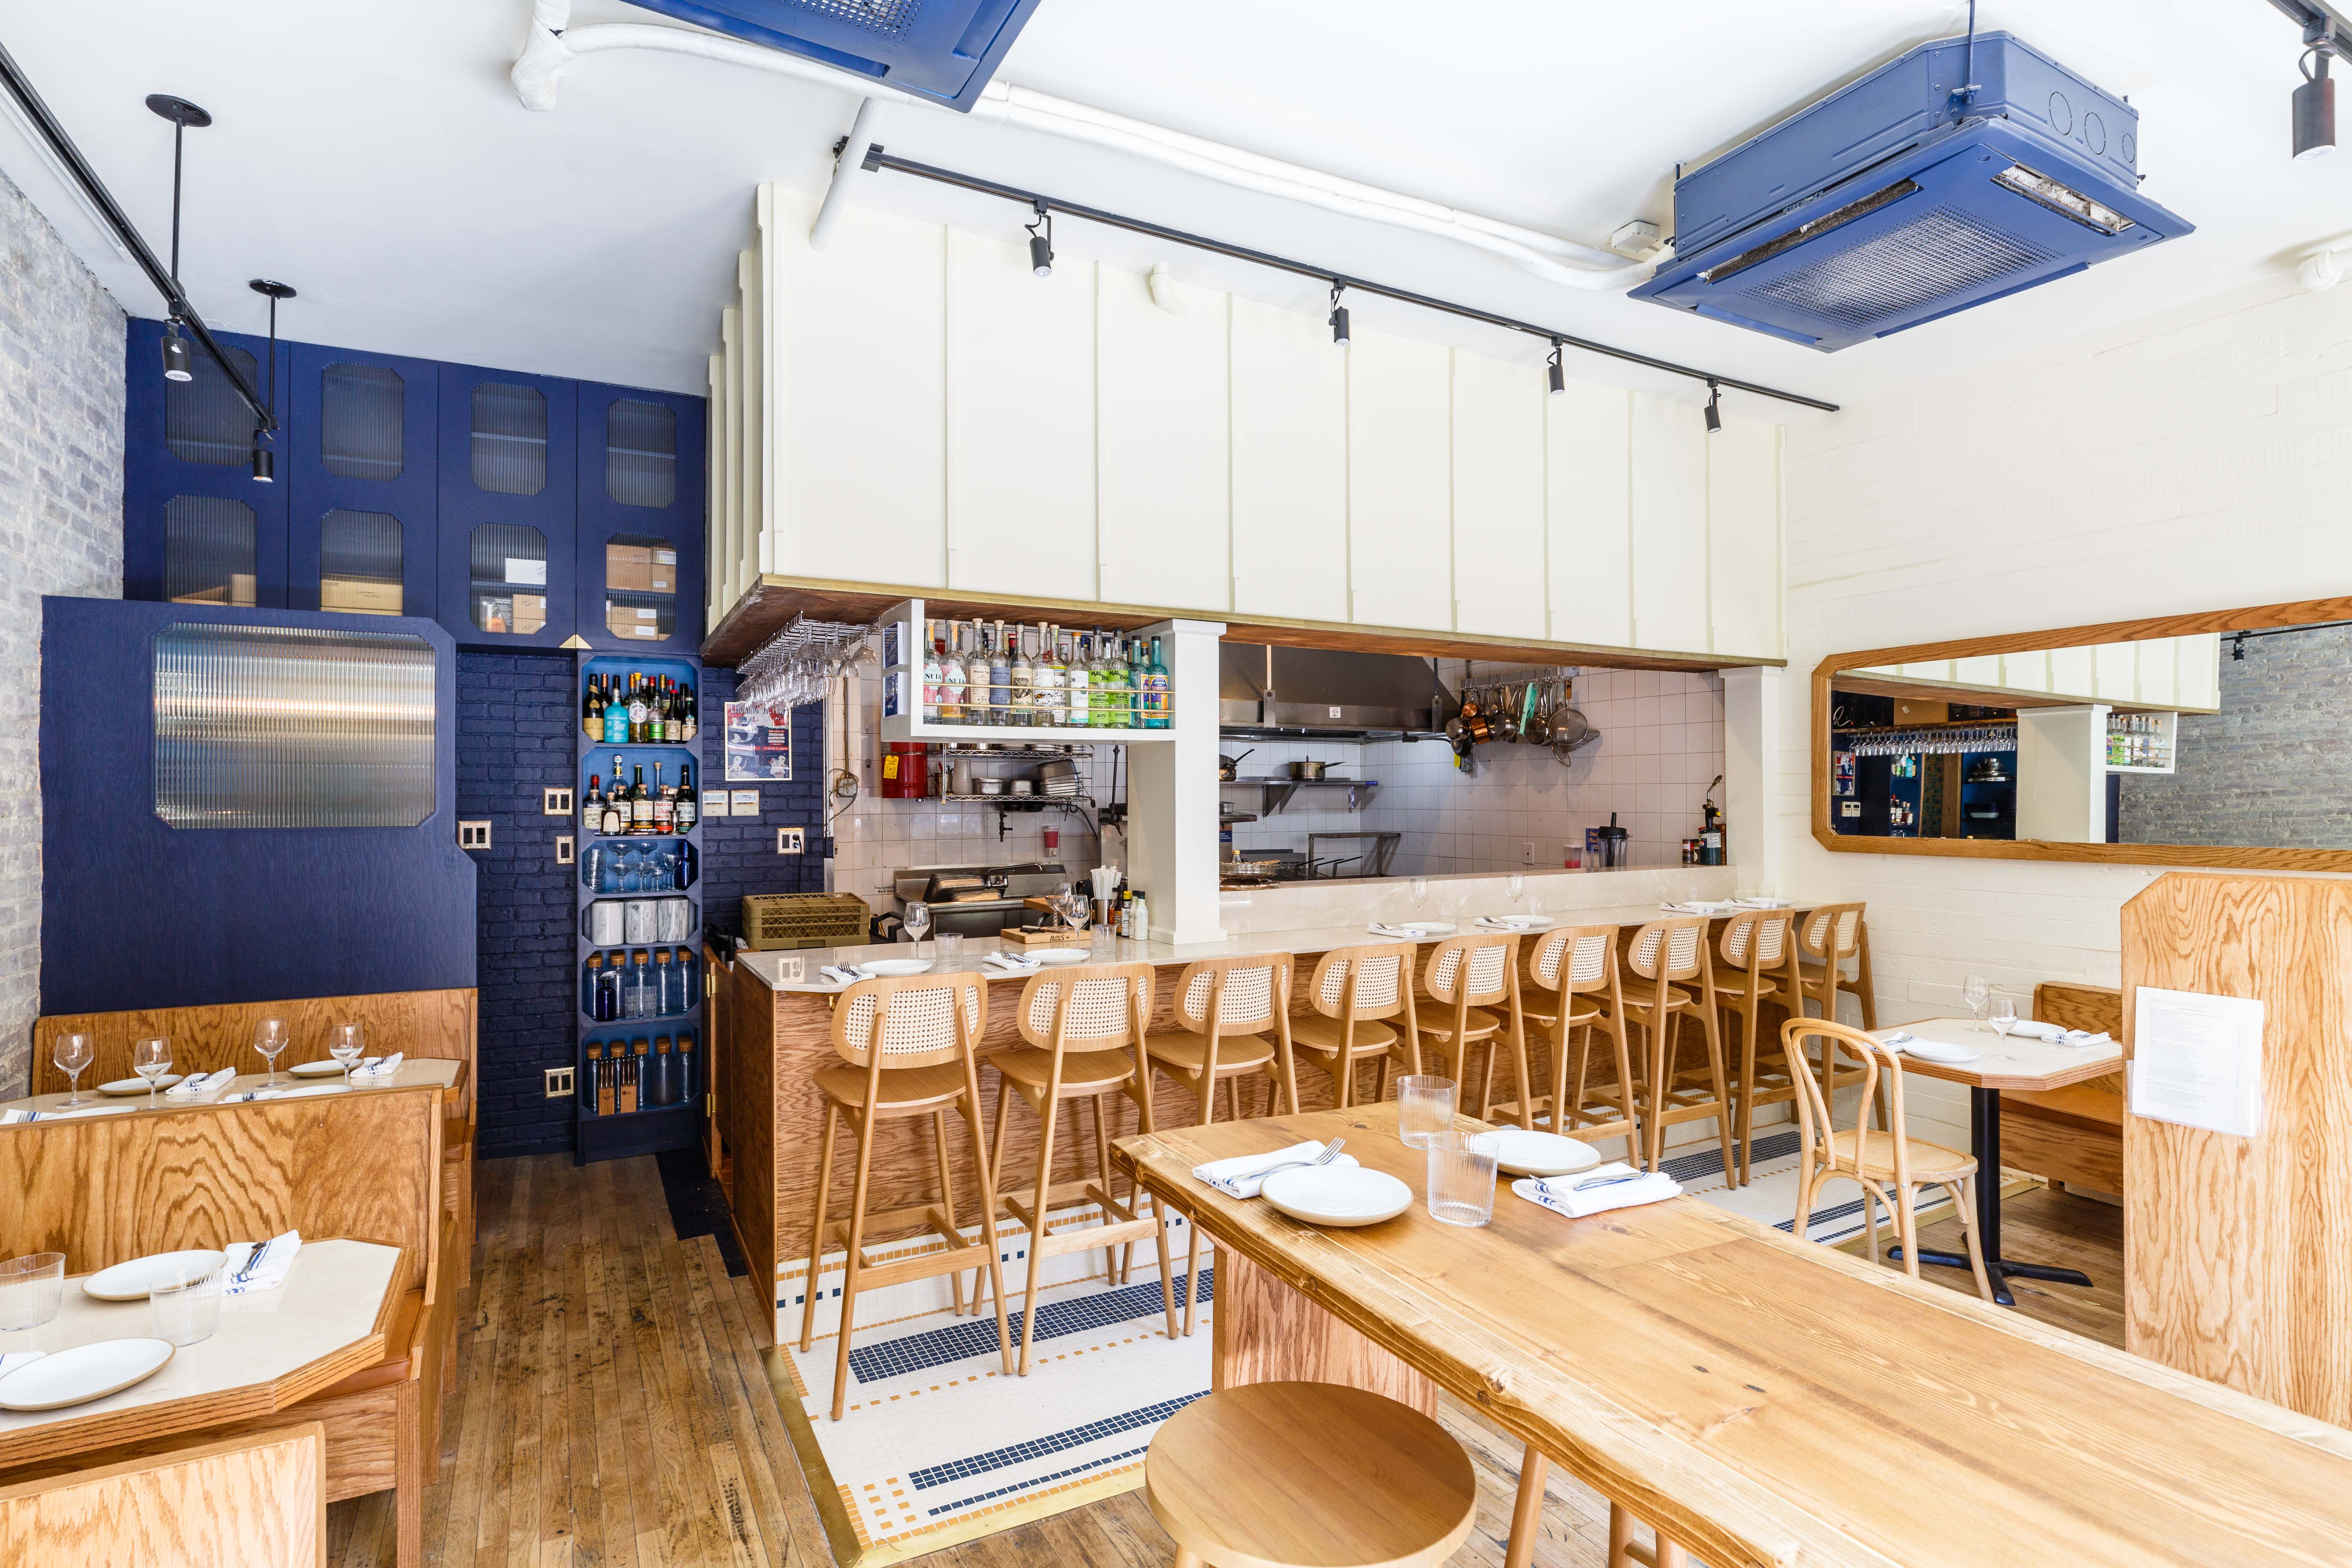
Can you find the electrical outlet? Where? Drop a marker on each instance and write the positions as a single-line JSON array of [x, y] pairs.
[[563, 850], [1528, 853], [555, 802], [790, 841], [473, 836], [559, 1083]]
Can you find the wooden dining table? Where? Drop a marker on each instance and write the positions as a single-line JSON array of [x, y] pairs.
[[1760, 1398]]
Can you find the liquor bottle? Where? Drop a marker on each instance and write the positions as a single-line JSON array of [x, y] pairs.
[[592, 711], [1000, 680], [688, 808], [1071, 653], [1098, 681], [1053, 679], [591, 810], [1121, 710], [616, 819], [665, 712], [932, 675], [1025, 680], [1155, 690], [690, 715], [638, 712], [616, 716], [664, 804], [641, 804], [952, 679]]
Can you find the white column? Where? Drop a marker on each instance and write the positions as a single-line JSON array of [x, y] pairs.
[[1172, 791], [1751, 774], [2061, 774]]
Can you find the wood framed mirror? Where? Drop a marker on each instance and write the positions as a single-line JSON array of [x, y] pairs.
[[2213, 739]]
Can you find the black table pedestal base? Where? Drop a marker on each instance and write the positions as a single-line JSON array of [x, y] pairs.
[[1984, 1136], [1998, 1271]]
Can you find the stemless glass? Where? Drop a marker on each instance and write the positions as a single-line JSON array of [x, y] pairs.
[[918, 920], [1462, 1176], [950, 944], [270, 1039], [186, 1308], [346, 1044], [150, 1059], [32, 1288], [1974, 991], [73, 1057], [2004, 1016], [1424, 1109]]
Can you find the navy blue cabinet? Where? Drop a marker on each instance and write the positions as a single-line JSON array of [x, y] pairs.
[[640, 520], [361, 457], [509, 489], [197, 527]]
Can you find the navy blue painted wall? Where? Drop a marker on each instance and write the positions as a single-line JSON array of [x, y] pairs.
[[516, 720]]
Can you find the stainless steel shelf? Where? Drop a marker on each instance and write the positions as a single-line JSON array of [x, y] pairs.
[[1273, 794]]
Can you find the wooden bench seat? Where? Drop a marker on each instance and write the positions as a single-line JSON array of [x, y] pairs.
[[2074, 1134]]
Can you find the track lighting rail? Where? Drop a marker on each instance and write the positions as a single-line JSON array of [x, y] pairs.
[[875, 158], [21, 89]]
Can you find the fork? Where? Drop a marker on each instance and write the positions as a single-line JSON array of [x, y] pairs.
[[1330, 1153], [1607, 1181], [252, 1262]]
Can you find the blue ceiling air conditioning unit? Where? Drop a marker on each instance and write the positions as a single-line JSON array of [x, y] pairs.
[[1902, 197], [944, 51]]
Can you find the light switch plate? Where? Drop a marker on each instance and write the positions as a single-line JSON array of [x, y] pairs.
[[559, 1083], [474, 834], [747, 803], [555, 802], [714, 803], [790, 841], [564, 856]]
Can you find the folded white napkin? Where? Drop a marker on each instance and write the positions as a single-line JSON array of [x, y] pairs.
[[267, 1273], [8, 1117], [1759, 903], [2031, 1030], [1590, 1192], [1013, 963], [2082, 1040], [1509, 923], [379, 1067], [1699, 907], [202, 1083], [11, 1360], [1404, 931], [842, 975], [1902, 1042], [1243, 1175]]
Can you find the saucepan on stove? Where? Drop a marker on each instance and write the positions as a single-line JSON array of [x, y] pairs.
[[1230, 768], [1309, 771]]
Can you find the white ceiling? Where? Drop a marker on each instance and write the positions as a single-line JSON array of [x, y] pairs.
[[375, 156]]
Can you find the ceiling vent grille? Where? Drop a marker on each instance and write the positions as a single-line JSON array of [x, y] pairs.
[[1933, 257], [886, 17]]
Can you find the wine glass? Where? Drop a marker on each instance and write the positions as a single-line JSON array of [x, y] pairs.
[[345, 1042], [269, 1039], [150, 1059], [1975, 992], [2004, 1016], [1076, 909], [1419, 889], [918, 920], [73, 1058], [1517, 886]]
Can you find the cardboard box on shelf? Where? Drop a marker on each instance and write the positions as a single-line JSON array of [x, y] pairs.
[[629, 568], [356, 596], [530, 612], [239, 592]]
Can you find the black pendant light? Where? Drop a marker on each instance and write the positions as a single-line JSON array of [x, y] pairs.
[[1553, 374], [178, 364], [1041, 245], [1338, 314], [1714, 408], [264, 462]]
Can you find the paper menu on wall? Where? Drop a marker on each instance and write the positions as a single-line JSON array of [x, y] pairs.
[[2196, 1061]]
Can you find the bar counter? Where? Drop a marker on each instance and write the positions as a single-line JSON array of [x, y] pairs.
[[777, 1016]]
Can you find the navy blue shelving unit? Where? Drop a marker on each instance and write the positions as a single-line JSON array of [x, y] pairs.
[[650, 1129]]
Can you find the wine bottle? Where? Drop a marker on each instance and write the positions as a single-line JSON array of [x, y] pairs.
[[1000, 680], [664, 807], [616, 719], [1023, 676], [641, 804], [1053, 678], [691, 724], [931, 672], [673, 719], [638, 713], [592, 711], [688, 810], [952, 680]]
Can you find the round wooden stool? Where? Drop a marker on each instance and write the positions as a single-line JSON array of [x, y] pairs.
[[1308, 1475]]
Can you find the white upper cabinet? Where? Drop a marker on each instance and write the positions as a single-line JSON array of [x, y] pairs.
[[1165, 494], [1670, 555], [1499, 498], [1588, 514], [1399, 482], [1289, 466]]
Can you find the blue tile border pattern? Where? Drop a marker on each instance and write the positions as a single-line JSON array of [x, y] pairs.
[[1051, 1443], [957, 1341]]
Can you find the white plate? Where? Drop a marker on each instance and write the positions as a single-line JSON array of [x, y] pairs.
[[1336, 1194], [317, 1070], [83, 1374], [1936, 1052], [1421, 928], [138, 1085], [892, 968], [1062, 955], [129, 1281], [1526, 1153], [1524, 923]]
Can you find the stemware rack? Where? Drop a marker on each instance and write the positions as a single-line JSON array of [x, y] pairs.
[[625, 868]]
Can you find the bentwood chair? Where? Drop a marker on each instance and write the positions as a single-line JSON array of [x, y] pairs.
[[1224, 1007], [1875, 1159], [908, 1050], [1671, 982], [1571, 989], [1353, 992], [1474, 982], [1754, 948], [1082, 1030], [1828, 939]]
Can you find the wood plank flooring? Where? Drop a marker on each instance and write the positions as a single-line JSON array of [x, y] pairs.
[[611, 1406]]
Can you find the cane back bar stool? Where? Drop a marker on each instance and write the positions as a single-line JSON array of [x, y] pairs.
[[1875, 1159], [1475, 982], [1671, 981], [1571, 989], [908, 1048], [1082, 1030], [1354, 990], [1225, 1006], [1828, 939], [1755, 957]]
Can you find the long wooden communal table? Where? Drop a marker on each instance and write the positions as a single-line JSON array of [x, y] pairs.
[[1761, 1399]]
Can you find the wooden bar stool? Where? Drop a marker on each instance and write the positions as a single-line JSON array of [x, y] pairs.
[[1828, 939], [1665, 956], [1755, 946], [1081, 1028], [1875, 1159], [1469, 978], [1569, 965], [1308, 1475], [909, 1048], [1224, 1005], [1353, 991]]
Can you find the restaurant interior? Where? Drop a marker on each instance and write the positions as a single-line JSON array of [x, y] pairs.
[[1640, 710]]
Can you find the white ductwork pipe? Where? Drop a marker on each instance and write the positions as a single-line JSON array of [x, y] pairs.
[[844, 167], [551, 48]]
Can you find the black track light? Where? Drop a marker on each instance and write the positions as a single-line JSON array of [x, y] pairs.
[[1714, 408], [1557, 376], [264, 462], [2315, 107], [1338, 316], [175, 354], [1041, 245]]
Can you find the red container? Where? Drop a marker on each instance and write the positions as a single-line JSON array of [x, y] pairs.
[[905, 771]]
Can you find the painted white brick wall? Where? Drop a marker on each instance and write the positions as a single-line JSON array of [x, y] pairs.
[[60, 532], [2193, 461]]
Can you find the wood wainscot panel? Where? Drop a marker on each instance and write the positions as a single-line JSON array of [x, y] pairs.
[[1264, 1330], [258, 1501]]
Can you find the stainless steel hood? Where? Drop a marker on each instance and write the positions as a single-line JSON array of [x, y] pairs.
[[1304, 693]]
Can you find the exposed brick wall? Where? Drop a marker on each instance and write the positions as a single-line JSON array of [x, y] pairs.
[[60, 532], [2266, 768]]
